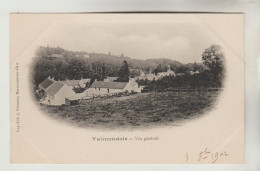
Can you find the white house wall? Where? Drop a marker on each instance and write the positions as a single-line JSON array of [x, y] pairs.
[[137, 89], [102, 91], [128, 88], [131, 88], [59, 98], [64, 92]]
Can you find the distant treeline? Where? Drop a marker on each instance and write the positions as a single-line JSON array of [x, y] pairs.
[[212, 76], [64, 64], [204, 79]]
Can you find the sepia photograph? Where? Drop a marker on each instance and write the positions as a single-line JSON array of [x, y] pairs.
[[129, 80], [106, 90]]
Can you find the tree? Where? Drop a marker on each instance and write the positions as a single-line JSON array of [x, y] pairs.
[[124, 72], [134, 73], [213, 59], [184, 69], [198, 67], [158, 69]]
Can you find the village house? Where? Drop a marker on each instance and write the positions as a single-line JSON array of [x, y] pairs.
[[169, 72], [192, 72], [149, 76], [188, 73], [75, 99], [105, 88], [76, 83], [55, 92], [159, 75], [46, 83]]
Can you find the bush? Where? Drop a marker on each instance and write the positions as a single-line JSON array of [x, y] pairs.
[[205, 79]]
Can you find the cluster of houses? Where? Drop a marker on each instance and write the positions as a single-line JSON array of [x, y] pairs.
[[57, 93], [159, 75]]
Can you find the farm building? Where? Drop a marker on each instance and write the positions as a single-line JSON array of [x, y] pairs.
[[159, 75], [70, 101], [55, 92], [103, 88], [169, 72], [76, 83], [192, 72], [75, 99], [71, 83], [46, 83], [144, 76]]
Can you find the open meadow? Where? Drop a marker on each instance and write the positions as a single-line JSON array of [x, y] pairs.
[[135, 111]]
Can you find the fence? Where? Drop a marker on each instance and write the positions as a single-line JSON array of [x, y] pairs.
[[185, 90]]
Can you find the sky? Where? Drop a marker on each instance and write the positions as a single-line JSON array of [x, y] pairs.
[[184, 42]]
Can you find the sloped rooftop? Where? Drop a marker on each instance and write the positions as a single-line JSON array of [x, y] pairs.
[[46, 83], [54, 88], [109, 85]]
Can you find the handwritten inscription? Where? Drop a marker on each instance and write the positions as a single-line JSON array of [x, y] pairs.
[[206, 155]]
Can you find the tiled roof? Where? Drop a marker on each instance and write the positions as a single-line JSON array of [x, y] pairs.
[[75, 82], [46, 83], [54, 88], [110, 85]]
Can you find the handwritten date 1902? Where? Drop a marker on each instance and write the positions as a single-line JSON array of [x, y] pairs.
[[208, 155]]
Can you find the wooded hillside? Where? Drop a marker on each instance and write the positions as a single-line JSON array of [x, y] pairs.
[[64, 64]]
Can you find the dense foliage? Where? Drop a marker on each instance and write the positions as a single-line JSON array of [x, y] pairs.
[[202, 80], [212, 76], [213, 58], [124, 72], [64, 64]]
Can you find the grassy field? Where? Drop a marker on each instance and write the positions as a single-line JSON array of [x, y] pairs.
[[135, 111]]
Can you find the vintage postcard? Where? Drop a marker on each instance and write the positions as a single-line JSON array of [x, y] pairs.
[[127, 88]]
